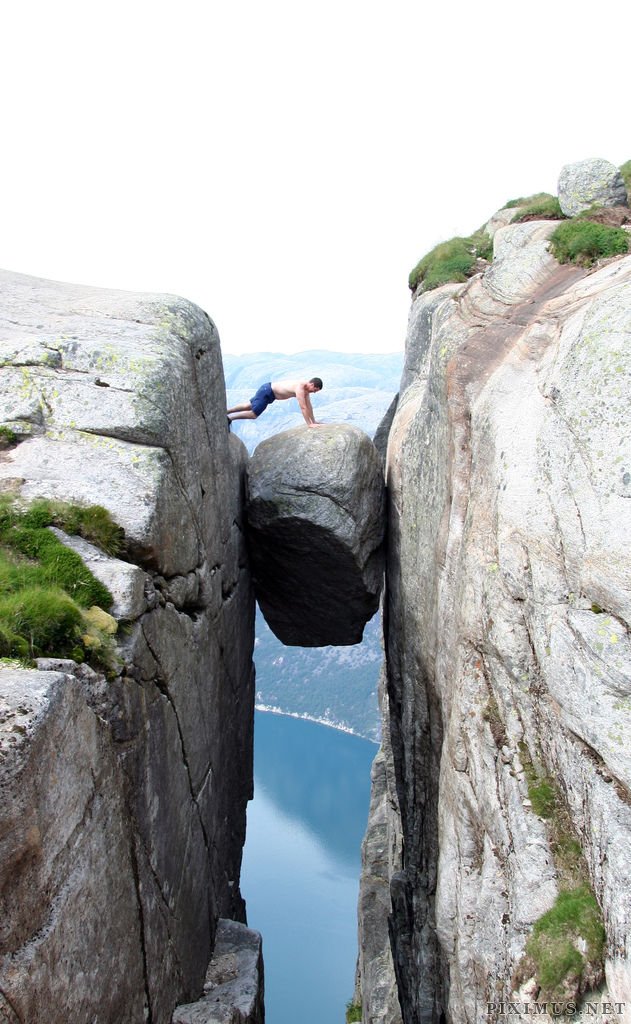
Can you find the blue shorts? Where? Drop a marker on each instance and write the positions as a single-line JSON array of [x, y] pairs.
[[263, 397]]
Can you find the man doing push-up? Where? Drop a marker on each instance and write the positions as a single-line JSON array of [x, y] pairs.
[[279, 389]]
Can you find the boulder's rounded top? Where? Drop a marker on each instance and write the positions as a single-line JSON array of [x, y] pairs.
[[321, 457], [592, 182], [322, 436]]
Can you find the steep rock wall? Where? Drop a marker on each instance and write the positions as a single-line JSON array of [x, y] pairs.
[[507, 613], [122, 817]]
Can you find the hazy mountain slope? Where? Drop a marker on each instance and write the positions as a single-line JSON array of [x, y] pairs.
[[335, 685]]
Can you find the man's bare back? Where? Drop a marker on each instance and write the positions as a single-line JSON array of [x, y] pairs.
[[284, 388]]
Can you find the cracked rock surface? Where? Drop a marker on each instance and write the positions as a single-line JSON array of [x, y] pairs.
[[315, 526], [122, 801], [233, 989], [508, 611]]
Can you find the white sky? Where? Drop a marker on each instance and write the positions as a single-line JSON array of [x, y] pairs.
[[286, 164]]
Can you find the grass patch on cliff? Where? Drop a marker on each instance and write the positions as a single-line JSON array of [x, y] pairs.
[[491, 715], [92, 522], [583, 242], [50, 603], [525, 200], [573, 923], [353, 1013], [451, 261], [625, 170], [540, 207], [565, 950], [8, 438]]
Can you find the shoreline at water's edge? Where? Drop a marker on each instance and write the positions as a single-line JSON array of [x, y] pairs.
[[303, 716]]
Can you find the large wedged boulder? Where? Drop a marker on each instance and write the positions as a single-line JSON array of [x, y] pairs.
[[316, 524]]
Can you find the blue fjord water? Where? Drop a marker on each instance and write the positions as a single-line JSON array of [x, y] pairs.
[[301, 864]]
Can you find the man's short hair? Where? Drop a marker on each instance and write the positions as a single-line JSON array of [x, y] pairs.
[[317, 382]]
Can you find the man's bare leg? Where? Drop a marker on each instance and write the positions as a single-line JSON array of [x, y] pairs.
[[247, 415], [240, 408]]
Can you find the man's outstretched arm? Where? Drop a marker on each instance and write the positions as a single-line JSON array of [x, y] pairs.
[[305, 406]]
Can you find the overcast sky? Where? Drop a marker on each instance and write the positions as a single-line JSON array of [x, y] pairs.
[[286, 164]]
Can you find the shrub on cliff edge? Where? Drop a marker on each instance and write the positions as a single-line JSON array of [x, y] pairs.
[[564, 953], [451, 261], [625, 171], [583, 242], [541, 207]]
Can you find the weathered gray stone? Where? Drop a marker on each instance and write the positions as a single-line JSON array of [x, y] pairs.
[[590, 183], [100, 417], [500, 219], [315, 524], [67, 891], [380, 440], [128, 584], [375, 989], [233, 990], [138, 784], [508, 614]]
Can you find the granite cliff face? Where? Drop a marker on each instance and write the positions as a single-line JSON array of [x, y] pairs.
[[508, 659], [122, 816]]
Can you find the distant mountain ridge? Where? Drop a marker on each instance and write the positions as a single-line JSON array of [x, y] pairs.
[[335, 686]]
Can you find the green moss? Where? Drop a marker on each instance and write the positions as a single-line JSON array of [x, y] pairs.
[[543, 207], [8, 437], [583, 242], [565, 950], [625, 171], [568, 855], [541, 791], [454, 260], [574, 920], [353, 1013], [543, 798]]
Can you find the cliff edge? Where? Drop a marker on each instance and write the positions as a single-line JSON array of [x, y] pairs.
[[505, 781], [122, 817]]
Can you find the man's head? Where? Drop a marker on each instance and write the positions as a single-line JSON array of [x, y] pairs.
[[317, 384]]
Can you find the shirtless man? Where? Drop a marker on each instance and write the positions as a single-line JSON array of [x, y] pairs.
[[281, 389]]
